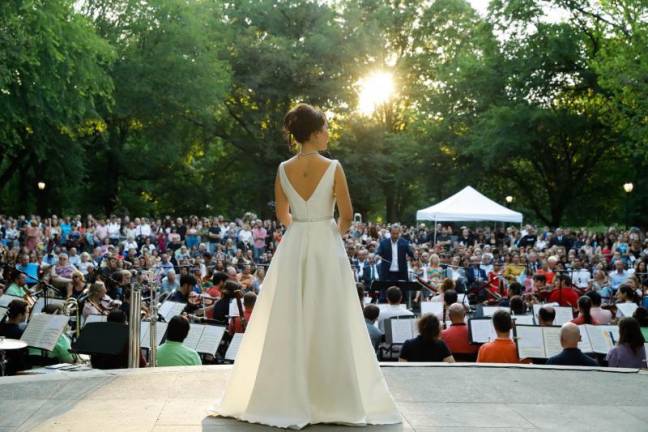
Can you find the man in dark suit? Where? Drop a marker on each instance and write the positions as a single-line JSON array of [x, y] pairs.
[[394, 252], [474, 273]]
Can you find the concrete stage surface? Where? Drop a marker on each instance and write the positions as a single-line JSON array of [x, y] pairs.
[[430, 397]]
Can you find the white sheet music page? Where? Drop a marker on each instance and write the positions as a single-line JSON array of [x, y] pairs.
[[160, 331], [95, 318], [401, 330], [169, 309], [145, 335], [6, 299], [563, 315], [434, 308], [43, 330], [482, 330], [232, 349], [612, 332], [585, 344], [40, 303], [233, 309], [536, 308], [600, 344], [3, 312], [194, 335], [551, 337], [530, 342], [489, 311], [523, 320], [627, 309], [211, 339]]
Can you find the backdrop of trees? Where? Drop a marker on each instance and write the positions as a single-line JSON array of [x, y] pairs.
[[175, 107]]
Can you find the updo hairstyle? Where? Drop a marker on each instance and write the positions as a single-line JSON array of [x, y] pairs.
[[302, 121]]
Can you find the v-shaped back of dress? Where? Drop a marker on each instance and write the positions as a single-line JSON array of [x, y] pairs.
[[320, 205]]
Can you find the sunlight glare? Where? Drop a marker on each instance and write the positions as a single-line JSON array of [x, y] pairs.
[[375, 90]]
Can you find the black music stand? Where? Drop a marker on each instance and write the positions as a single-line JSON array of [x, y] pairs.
[[106, 342], [406, 287]]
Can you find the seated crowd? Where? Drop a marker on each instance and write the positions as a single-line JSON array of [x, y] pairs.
[[208, 263]]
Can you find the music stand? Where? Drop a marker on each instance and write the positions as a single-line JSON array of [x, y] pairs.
[[106, 342]]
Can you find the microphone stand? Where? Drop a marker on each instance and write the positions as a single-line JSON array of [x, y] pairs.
[[42, 282]]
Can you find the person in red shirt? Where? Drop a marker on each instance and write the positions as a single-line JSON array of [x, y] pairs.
[[235, 324], [502, 349], [456, 336], [584, 315], [564, 294]]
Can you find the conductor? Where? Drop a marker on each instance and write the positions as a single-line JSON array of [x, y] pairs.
[[393, 251]]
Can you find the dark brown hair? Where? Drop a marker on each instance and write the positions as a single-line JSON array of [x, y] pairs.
[[429, 327], [630, 333], [302, 121]]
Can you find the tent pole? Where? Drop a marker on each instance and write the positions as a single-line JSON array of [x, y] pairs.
[[435, 229]]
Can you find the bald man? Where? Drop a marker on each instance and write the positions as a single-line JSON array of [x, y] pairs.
[[456, 336], [570, 355]]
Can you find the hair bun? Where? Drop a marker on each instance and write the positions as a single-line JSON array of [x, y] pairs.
[[302, 121]]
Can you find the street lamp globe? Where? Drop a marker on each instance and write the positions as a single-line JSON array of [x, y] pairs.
[[509, 199], [41, 185], [628, 187]]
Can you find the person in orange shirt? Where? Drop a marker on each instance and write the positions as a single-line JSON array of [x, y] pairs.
[[456, 336], [502, 349]]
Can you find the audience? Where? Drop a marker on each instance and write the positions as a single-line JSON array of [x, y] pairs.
[[570, 336], [426, 347], [173, 352]]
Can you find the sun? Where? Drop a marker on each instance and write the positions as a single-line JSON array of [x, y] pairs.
[[375, 89]]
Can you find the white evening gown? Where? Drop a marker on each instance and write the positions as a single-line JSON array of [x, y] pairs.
[[306, 356]]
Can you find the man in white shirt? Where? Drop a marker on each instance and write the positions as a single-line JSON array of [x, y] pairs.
[[394, 252], [113, 231], [393, 308], [580, 277]]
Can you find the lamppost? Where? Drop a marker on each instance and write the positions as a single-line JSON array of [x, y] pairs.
[[509, 200], [627, 187], [41, 206]]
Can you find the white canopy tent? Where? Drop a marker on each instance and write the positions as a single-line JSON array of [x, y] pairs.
[[465, 206]]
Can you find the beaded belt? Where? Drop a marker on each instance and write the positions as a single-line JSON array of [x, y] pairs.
[[313, 219]]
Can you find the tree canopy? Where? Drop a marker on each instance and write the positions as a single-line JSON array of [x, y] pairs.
[[175, 107]]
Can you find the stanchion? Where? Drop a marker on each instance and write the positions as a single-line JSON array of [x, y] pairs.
[[134, 326], [153, 325]]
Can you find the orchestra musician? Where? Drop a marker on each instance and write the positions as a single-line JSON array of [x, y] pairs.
[[98, 301]]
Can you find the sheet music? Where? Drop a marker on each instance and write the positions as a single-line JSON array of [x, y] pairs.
[[169, 309], [461, 298], [43, 330], [563, 315], [536, 308], [401, 330], [40, 303], [383, 306], [612, 332], [434, 308], [585, 345], [489, 311], [232, 349], [6, 299], [627, 309], [523, 320], [366, 300], [145, 333], [551, 337], [3, 312], [233, 309], [95, 318], [530, 342], [194, 335], [211, 339], [482, 330]]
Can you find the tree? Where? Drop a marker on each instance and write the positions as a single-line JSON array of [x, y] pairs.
[[52, 80]]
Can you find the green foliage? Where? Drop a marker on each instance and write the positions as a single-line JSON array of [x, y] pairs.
[[176, 107]]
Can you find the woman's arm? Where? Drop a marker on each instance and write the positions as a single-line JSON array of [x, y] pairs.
[[345, 208], [281, 203]]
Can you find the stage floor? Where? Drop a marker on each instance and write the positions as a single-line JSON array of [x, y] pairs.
[[431, 398]]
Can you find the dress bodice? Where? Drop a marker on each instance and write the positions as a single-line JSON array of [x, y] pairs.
[[320, 205]]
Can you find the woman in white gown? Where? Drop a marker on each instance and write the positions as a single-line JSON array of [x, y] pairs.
[[306, 356]]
